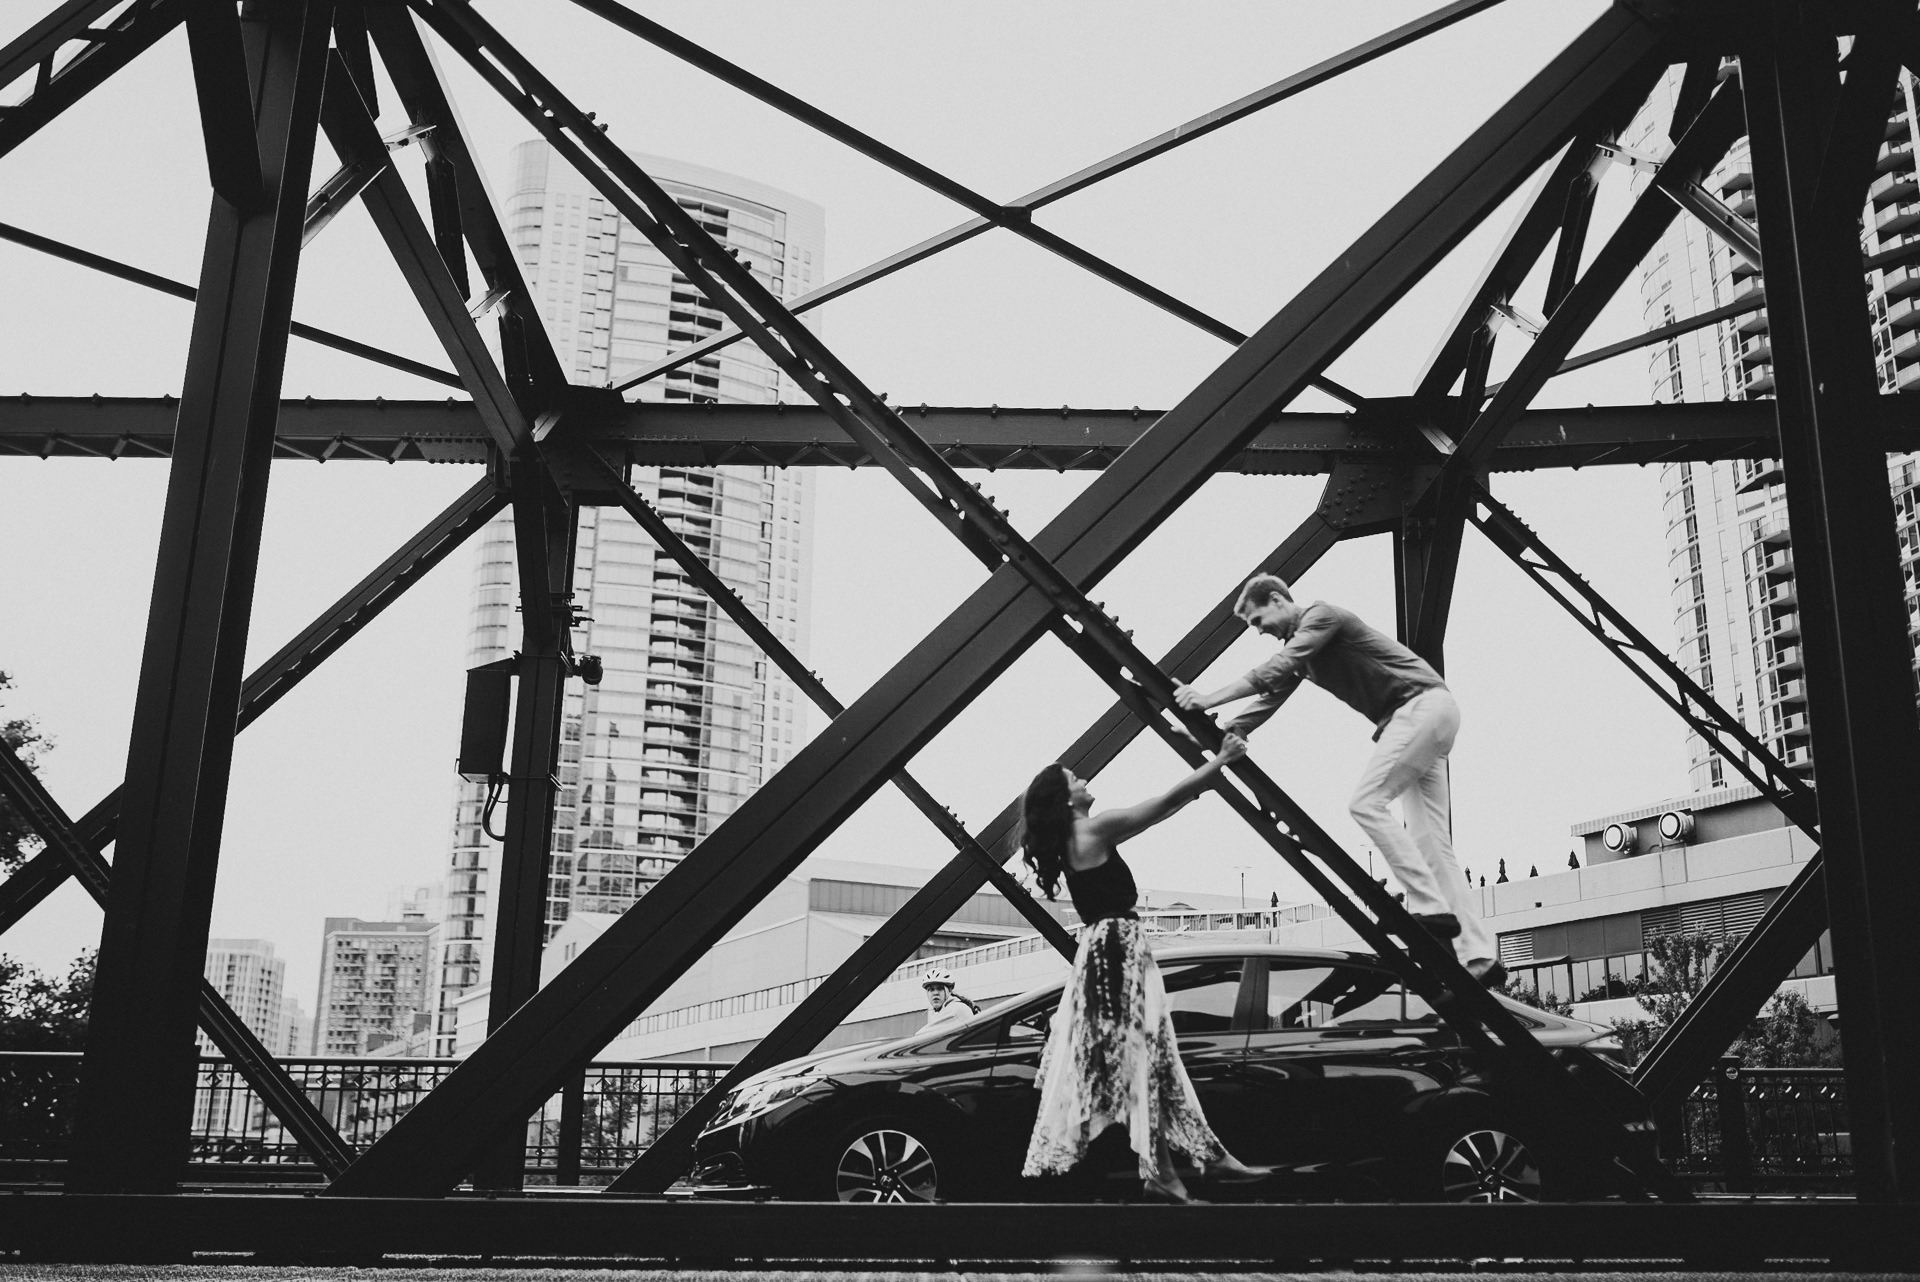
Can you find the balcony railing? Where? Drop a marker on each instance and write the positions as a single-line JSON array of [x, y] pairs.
[[623, 1106]]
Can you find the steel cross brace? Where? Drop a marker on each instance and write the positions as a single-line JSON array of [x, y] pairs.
[[287, 668], [1357, 500], [973, 518], [109, 49], [1429, 544], [1702, 713], [1015, 219], [222, 1025], [139, 276], [774, 648], [527, 355], [1160, 144], [700, 899], [1746, 976], [1084, 628], [354, 136]]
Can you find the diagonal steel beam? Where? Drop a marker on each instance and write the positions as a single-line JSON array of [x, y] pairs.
[[1083, 627], [628, 966], [1429, 549], [226, 102], [1737, 745], [138, 1073], [129, 35], [1080, 180], [223, 1026], [1018, 220], [291, 664], [178, 289], [30, 883], [1718, 124], [354, 137], [527, 354], [1349, 505], [1526, 239], [815, 689]]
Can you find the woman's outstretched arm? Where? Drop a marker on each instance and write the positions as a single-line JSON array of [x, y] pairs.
[[1122, 822]]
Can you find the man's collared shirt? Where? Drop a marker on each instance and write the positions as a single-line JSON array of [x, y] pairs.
[[1331, 647]]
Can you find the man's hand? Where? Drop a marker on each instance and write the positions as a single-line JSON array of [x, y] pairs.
[[1189, 698], [1232, 748]]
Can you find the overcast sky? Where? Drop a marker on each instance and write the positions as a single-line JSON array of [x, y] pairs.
[[343, 792]]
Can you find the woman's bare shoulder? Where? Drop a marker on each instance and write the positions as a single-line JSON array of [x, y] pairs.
[[1087, 853]]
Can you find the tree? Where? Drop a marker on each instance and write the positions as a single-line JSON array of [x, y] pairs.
[[41, 1012], [1787, 1034], [18, 842], [1790, 1035]]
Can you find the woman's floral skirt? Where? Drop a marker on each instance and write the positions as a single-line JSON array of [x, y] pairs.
[[1111, 1058]]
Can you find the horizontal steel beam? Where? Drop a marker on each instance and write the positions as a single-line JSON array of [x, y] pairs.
[[282, 1228], [1060, 439]]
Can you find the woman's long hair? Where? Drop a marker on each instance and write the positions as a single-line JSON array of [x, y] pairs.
[[1047, 827]]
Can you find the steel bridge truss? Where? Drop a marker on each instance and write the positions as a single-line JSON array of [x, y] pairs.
[[273, 74]]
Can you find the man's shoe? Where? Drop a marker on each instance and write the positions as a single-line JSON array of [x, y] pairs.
[[1442, 926], [1491, 973]]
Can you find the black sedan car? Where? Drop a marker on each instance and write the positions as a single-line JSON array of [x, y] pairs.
[[1318, 1064]]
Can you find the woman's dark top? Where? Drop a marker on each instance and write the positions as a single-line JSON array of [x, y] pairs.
[[1103, 891]]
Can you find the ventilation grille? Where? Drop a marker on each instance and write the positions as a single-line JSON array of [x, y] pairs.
[[1729, 918], [1517, 948]]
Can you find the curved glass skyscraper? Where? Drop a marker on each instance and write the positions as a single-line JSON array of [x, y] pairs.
[[689, 717]]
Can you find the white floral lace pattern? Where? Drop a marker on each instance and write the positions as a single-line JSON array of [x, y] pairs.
[[1111, 1058]]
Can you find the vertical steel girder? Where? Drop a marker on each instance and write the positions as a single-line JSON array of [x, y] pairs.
[[286, 669], [1750, 974], [527, 355], [1866, 742], [545, 524], [223, 1026], [1341, 513], [628, 966], [138, 1073], [1022, 209], [108, 50]]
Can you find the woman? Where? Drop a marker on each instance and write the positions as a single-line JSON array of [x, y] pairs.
[[1110, 1056]]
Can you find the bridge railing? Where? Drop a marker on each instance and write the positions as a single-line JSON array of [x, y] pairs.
[[1743, 1130], [1763, 1130], [620, 1108]]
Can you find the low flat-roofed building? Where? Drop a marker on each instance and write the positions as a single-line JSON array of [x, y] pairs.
[[1725, 857]]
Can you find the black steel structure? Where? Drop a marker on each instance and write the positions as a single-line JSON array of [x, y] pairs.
[[272, 74]]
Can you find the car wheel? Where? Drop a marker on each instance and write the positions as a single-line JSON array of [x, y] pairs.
[[1475, 1160], [884, 1160]]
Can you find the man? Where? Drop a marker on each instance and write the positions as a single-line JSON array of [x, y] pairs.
[[944, 1005], [1415, 719]]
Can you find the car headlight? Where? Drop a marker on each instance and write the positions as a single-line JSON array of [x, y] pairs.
[[755, 1097]]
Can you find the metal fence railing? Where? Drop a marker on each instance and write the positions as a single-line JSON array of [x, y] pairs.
[[1763, 1130], [590, 1131], [1742, 1130]]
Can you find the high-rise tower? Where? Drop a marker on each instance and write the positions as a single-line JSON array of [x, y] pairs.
[[689, 716], [1730, 545]]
